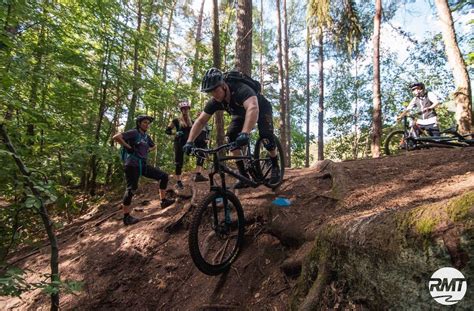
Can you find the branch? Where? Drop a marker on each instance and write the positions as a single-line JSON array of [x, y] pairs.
[[44, 217], [402, 32], [10, 148]]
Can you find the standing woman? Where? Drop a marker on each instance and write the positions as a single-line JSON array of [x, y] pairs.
[[138, 144], [182, 126]]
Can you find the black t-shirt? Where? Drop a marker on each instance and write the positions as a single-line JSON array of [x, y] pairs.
[[204, 135], [239, 93], [184, 129]]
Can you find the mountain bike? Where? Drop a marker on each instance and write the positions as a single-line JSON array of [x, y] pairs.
[[217, 226], [413, 137]]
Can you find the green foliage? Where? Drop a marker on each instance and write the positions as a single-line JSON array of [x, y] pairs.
[[13, 283]]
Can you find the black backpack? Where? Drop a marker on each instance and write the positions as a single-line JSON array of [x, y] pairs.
[[234, 75]]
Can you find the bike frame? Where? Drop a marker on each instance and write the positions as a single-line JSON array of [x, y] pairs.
[[219, 167], [429, 141]]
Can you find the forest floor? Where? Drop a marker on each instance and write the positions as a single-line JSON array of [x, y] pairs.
[[147, 266]]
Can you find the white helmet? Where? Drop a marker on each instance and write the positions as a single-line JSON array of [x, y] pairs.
[[184, 104]]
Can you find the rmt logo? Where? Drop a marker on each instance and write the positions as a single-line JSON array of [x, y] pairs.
[[447, 286]]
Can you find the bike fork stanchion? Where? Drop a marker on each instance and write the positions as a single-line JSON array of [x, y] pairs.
[[224, 199]]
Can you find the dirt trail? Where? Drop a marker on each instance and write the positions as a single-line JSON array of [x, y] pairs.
[[148, 267]]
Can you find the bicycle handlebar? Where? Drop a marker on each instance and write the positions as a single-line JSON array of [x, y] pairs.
[[411, 115]]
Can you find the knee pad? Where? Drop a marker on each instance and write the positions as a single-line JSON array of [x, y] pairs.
[[127, 198], [164, 182], [269, 144]]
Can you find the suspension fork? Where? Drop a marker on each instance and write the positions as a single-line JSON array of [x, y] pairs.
[[224, 198], [222, 191]]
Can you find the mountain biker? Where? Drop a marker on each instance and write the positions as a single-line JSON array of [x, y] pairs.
[[426, 102], [183, 125], [138, 144], [247, 107]]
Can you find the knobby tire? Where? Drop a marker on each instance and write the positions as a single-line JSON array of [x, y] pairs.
[[199, 260]]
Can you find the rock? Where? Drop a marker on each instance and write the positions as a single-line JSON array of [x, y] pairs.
[[387, 259]]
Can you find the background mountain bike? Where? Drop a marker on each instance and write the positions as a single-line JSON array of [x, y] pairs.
[[217, 225], [413, 137]]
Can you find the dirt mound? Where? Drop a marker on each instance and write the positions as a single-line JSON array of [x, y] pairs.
[[147, 266]]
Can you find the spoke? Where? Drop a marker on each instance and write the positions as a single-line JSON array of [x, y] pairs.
[[221, 252], [205, 243]]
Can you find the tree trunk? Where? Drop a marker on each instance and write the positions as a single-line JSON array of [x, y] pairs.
[[168, 35], [226, 28], [104, 84], [118, 107], [10, 30], [262, 33], [136, 71], [377, 101], [48, 224], [61, 169], [286, 50], [198, 44], [216, 44], [308, 104], [36, 74], [243, 44], [217, 62], [462, 95], [283, 110], [321, 97], [160, 15], [355, 145]]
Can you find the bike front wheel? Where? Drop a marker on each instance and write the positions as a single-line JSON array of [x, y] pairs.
[[396, 143], [216, 233], [263, 163]]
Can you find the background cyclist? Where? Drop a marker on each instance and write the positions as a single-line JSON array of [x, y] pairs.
[[425, 102]]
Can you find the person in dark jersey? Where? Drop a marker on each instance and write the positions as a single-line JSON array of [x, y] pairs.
[[138, 144], [182, 126], [247, 108]]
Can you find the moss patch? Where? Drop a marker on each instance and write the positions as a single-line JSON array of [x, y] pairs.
[[458, 209], [425, 226], [422, 220]]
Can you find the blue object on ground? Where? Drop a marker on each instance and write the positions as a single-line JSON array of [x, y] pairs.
[[281, 201]]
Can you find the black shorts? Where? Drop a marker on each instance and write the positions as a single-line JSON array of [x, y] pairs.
[[265, 122], [179, 154]]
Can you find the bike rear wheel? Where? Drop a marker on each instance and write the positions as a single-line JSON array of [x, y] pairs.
[[216, 233], [396, 143], [263, 163]]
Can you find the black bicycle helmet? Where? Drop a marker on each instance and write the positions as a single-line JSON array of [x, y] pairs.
[[212, 79], [140, 118], [417, 85]]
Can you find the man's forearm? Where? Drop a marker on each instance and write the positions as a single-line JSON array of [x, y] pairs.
[[195, 131], [251, 117]]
